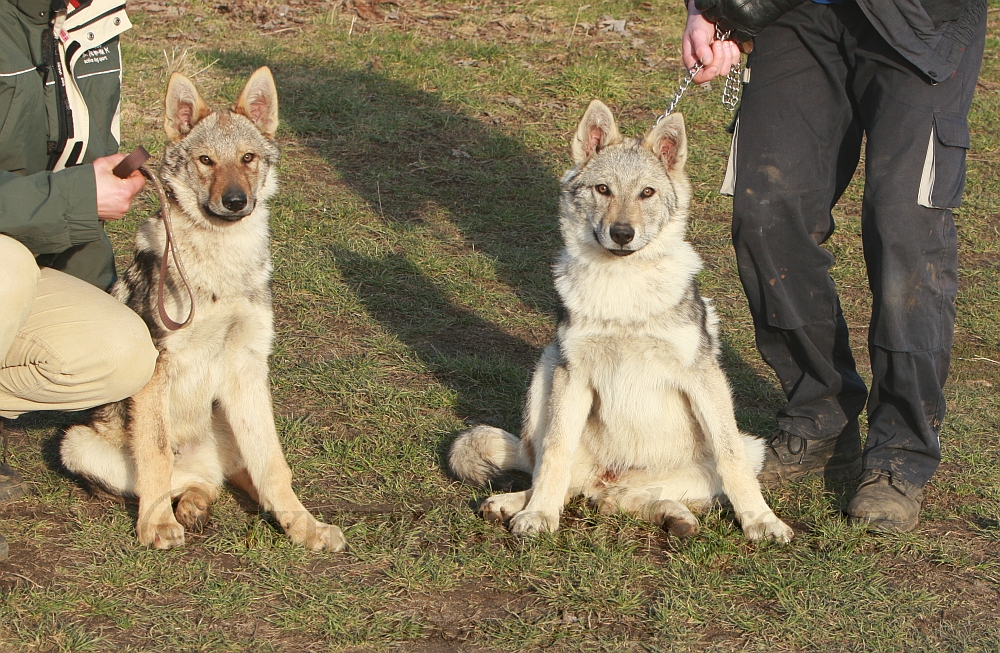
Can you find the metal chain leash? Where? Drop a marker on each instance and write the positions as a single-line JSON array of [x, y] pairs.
[[681, 89], [730, 92]]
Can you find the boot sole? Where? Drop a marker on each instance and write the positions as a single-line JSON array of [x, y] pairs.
[[886, 525], [12, 492]]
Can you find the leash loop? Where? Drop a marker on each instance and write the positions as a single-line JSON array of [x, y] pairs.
[[169, 248], [126, 167]]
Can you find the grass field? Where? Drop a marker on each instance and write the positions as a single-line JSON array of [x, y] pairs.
[[422, 144]]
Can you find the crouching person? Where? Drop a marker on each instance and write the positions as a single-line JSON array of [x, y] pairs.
[[65, 344]]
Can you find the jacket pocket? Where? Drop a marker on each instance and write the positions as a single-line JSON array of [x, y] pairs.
[[943, 179]]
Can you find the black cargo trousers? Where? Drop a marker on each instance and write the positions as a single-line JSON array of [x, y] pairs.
[[821, 79]]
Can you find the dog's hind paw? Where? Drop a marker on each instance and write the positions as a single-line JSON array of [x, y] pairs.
[[530, 524], [768, 527], [193, 510]]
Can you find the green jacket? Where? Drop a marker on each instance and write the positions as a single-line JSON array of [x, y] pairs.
[[54, 214]]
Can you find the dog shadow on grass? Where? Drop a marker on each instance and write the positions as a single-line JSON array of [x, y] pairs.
[[402, 150]]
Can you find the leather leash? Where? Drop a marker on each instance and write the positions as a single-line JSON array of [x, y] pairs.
[[123, 170]]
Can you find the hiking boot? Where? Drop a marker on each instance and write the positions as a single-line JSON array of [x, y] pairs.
[[789, 457], [12, 486], [885, 503]]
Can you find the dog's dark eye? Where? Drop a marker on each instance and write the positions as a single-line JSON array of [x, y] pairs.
[[648, 192], [248, 157], [602, 189], [205, 160]]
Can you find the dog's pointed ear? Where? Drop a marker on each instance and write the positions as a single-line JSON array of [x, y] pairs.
[[668, 142], [596, 131], [184, 107], [259, 102]]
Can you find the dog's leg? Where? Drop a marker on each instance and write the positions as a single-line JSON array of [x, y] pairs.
[[246, 402], [568, 406], [154, 460], [195, 482], [713, 405]]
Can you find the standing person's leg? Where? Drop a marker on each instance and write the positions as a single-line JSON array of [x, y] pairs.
[[917, 134], [64, 344], [797, 147]]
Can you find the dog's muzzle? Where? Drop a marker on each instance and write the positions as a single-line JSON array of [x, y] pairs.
[[622, 234], [228, 216]]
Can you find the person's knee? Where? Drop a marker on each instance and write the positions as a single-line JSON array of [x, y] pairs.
[[134, 359], [20, 276]]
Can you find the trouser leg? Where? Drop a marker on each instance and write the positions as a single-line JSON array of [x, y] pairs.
[[798, 145], [18, 281], [910, 250], [77, 348]]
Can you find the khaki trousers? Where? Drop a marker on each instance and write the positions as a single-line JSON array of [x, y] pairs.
[[64, 344]]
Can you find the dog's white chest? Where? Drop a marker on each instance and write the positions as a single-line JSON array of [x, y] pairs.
[[641, 415], [227, 338]]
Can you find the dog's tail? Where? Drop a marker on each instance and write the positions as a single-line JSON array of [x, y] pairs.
[[480, 453], [85, 452]]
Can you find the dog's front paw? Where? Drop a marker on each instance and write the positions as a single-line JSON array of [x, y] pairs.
[[500, 508], [530, 524], [316, 536], [326, 538], [767, 527], [162, 534]]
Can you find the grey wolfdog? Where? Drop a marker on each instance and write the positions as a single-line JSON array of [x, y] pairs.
[[206, 416], [628, 406]]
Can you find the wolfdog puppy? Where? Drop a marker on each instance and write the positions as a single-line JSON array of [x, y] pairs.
[[628, 405], [205, 417]]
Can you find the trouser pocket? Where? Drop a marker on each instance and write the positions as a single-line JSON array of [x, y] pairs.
[[943, 178]]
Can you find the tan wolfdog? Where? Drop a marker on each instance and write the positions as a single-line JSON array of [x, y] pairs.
[[206, 416], [628, 405]]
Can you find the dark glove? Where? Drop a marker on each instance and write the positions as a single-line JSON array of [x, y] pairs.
[[746, 18]]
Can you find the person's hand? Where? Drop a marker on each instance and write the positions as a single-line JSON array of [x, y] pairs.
[[114, 195], [699, 44]]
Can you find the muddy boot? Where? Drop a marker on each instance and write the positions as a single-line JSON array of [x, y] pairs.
[[789, 457], [886, 504], [11, 484]]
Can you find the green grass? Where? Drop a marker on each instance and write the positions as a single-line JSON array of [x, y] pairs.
[[412, 242]]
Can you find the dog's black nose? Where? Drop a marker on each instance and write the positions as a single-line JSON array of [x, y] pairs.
[[236, 200], [622, 233]]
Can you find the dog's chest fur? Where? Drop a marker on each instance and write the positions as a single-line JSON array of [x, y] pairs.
[[228, 269], [634, 330]]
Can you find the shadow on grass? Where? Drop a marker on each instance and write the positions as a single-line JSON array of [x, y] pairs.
[[411, 157], [403, 150]]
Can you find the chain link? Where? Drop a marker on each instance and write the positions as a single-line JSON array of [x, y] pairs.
[[680, 90], [730, 92]]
